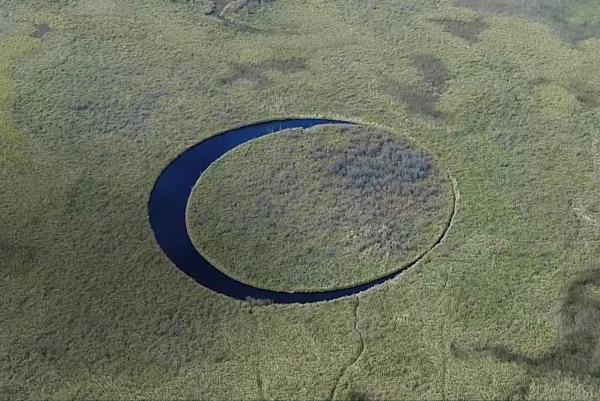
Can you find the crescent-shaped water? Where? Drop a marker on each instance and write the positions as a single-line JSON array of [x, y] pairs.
[[167, 214]]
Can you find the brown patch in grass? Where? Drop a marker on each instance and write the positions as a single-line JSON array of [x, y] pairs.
[[257, 74], [422, 98], [419, 100]]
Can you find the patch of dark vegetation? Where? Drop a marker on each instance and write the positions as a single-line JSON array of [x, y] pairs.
[[249, 6], [520, 392], [357, 395], [585, 94], [377, 172], [377, 163], [252, 302], [257, 74], [418, 100], [554, 13], [467, 30], [433, 71], [130, 117], [218, 6], [224, 10], [387, 14], [575, 352], [422, 98], [16, 252], [41, 30], [86, 196]]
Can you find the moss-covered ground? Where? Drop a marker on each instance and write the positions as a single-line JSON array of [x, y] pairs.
[[97, 97]]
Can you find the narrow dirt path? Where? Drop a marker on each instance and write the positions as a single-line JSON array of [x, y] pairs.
[[359, 353]]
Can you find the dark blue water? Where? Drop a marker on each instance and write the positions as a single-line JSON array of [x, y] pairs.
[[168, 203]]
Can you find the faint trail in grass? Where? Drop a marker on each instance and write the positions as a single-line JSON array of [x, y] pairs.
[[445, 359], [62, 62], [361, 350], [443, 328], [259, 382]]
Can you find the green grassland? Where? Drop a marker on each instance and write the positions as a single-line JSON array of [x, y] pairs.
[[92, 109], [324, 209]]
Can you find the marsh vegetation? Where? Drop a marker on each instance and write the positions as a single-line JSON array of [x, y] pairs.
[[319, 209], [91, 113], [422, 97], [567, 17]]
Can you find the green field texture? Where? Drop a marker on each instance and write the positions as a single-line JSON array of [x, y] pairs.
[[507, 99]]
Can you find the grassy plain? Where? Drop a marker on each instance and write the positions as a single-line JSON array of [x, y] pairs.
[[94, 108]]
